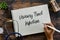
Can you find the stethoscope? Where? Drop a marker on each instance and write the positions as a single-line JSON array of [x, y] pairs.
[[20, 37]]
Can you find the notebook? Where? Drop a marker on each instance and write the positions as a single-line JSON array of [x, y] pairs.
[[30, 20]]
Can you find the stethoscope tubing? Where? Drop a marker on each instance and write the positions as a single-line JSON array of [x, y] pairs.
[[6, 38]]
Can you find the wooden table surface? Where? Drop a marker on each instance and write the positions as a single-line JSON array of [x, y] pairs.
[[55, 17]]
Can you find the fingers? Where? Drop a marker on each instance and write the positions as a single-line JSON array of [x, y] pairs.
[[46, 29], [48, 24]]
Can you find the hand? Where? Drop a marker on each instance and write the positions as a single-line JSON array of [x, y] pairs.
[[48, 32]]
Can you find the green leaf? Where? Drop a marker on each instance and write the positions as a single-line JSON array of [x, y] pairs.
[[3, 5]]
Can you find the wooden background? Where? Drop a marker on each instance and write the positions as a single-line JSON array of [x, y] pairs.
[[15, 4]]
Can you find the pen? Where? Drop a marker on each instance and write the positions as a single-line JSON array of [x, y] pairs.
[[54, 29]]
